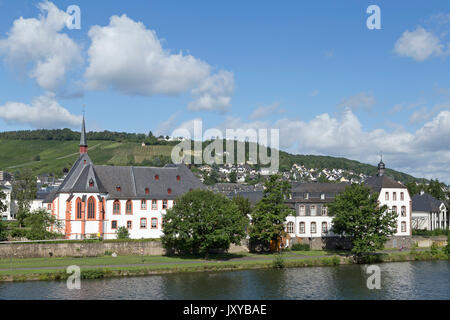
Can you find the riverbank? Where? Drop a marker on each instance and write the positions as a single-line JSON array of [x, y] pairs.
[[41, 269]]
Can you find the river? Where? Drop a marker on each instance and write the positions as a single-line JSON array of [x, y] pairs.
[[399, 280]]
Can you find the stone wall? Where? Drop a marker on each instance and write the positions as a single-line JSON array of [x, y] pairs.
[[42, 250], [423, 242], [342, 243]]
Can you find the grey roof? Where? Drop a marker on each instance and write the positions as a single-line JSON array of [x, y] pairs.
[[83, 134], [77, 180], [316, 188], [50, 197], [379, 182], [252, 196], [425, 203]]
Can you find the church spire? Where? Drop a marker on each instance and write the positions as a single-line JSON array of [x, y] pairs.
[[381, 166], [83, 142]]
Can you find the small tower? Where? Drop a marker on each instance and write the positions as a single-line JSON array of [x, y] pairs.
[[381, 167], [83, 143]]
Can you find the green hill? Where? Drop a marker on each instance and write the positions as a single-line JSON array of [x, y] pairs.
[[52, 156]]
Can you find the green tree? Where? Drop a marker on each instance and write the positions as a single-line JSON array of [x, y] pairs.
[[243, 205], [3, 208], [24, 191], [413, 188], [436, 189], [356, 213], [202, 220], [233, 177], [122, 233], [270, 212], [40, 221]]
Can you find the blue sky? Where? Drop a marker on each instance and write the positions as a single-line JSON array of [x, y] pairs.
[[310, 68]]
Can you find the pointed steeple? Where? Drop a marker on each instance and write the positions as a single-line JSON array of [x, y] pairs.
[[83, 142], [381, 166]]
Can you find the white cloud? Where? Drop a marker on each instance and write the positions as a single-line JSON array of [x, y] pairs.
[[127, 57], [165, 126], [361, 100], [43, 112], [214, 93], [39, 42], [425, 114], [423, 153], [418, 44], [265, 111]]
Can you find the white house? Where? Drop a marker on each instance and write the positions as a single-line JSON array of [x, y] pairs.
[[429, 213], [9, 214]]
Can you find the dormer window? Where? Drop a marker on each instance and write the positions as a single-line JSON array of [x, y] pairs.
[[91, 183], [84, 161], [306, 195], [178, 178], [169, 191], [322, 196], [156, 177], [147, 191], [118, 189]]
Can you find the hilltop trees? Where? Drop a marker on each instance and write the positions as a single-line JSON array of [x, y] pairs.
[[202, 220], [357, 214], [270, 212], [24, 191]]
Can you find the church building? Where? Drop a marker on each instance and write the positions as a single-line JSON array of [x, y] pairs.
[[95, 200]]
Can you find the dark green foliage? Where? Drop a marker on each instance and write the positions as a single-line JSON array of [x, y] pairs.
[[300, 247], [122, 233], [24, 191], [435, 232], [202, 220], [357, 214], [434, 187], [233, 177], [270, 212], [243, 204], [3, 206], [278, 262], [40, 222]]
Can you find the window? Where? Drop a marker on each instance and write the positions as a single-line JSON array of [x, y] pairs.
[[290, 227], [114, 224], [301, 227], [394, 209], [78, 209], [302, 210], [143, 223], [118, 189], [322, 196], [178, 178], [129, 207], [147, 191], [156, 177], [143, 204], [306, 195], [154, 223], [386, 196], [164, 204], [402, 196], [324, 227], [394, 196], [324, 210], [313, 227], [403, 211], [91, 183], [313, 210], [154, 205], [49, 206], [169, 191], [403, 226], [91, 208], [129, 224], [116, 207]]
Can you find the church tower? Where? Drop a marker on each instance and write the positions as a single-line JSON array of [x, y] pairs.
[[381, 167], [83, 142]]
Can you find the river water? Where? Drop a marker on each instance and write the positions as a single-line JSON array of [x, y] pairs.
[[399, 280]]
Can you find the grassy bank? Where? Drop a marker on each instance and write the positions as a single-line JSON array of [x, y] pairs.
[[104, 267]]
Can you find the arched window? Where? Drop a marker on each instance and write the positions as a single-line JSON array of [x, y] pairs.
[[403, 226], [78, 209], [116, 207], [91, 208], [324, 210], [143, 204], [91, 183], [301, 227], [394, 209], [313, 227], [403, 211], [290, 227], [129, 207], [324, 227], [313, 210]]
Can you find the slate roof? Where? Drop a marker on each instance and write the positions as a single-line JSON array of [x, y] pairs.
[[425, 203], [316, 189], [379, 182], [252, 196]]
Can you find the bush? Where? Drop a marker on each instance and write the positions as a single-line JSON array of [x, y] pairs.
[[122, 233], [300, 247], [278, 262]]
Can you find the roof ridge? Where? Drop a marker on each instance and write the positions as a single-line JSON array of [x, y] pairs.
[[134, 181]]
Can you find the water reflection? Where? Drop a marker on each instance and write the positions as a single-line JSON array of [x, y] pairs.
[[403, 280]]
